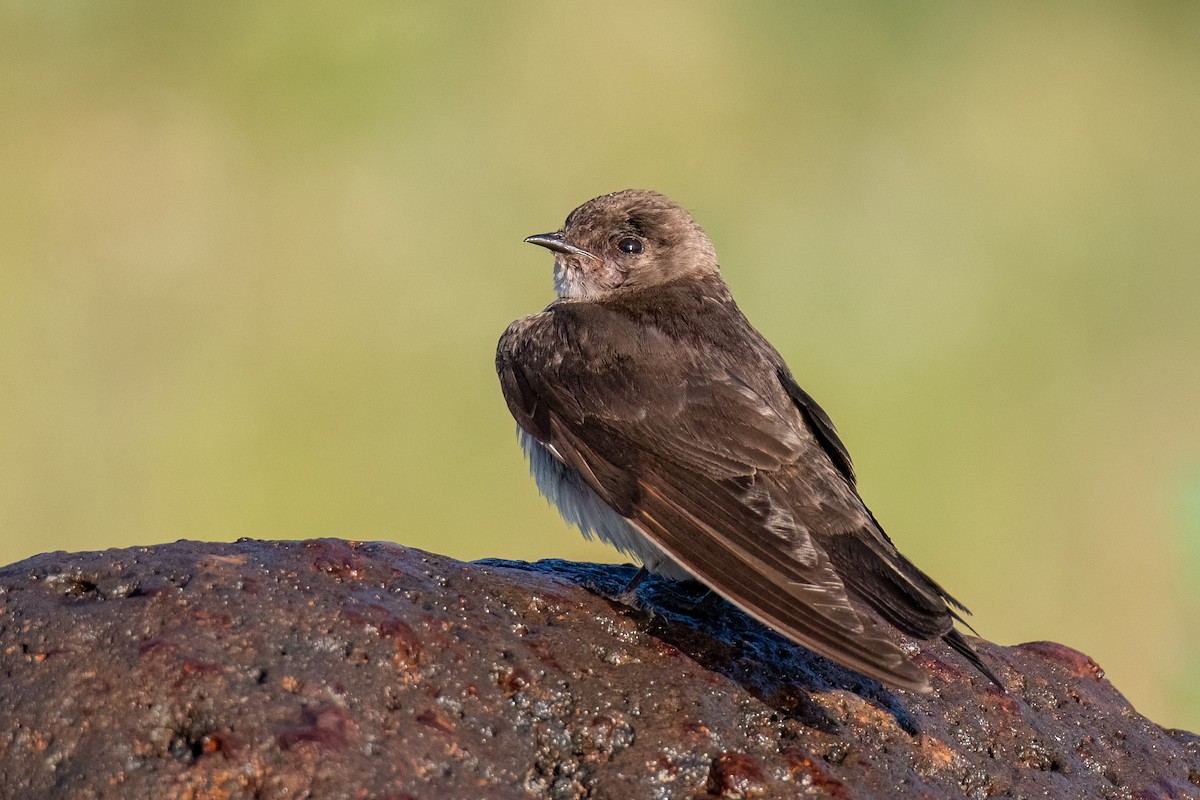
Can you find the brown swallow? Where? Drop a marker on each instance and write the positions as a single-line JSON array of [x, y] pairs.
[[657, 418]]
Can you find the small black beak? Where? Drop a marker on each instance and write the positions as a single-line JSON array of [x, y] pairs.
[[554, 241]]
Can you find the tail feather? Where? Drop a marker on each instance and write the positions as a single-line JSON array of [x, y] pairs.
[[957, 641]]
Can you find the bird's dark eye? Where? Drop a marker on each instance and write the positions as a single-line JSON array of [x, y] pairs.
[[630, 245]]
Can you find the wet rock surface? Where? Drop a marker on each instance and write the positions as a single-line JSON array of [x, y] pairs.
[[331, 669]]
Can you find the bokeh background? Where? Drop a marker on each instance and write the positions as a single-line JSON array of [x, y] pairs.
[[255, 257]]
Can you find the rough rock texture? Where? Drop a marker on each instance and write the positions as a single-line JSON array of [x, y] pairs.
[[329, 669]]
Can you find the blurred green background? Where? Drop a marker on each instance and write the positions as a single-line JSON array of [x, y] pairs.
[[255, 257]]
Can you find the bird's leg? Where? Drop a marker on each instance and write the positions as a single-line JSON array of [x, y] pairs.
[[628, 595]]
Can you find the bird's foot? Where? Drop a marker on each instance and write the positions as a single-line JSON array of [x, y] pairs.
[[697, 604]]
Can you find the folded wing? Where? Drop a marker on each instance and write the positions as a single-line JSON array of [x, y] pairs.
[[718, 465]]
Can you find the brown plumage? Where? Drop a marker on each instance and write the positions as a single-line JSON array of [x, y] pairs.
[[656, 417]]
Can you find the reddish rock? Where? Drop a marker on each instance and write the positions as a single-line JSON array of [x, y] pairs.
[[330, 669]]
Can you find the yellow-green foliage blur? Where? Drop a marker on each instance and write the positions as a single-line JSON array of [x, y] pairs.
[[255, 257]]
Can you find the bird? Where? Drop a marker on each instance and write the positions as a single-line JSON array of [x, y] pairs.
[[657, 418]]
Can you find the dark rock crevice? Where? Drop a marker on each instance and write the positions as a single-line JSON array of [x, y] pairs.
[[330, 669]]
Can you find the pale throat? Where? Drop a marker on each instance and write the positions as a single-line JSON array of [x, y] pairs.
[[568, 280], [585, 280]]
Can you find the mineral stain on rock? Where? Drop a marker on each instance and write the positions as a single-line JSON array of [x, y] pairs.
[[333, 669]]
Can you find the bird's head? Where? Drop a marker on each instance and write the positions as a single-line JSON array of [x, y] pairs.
[[628, 239]]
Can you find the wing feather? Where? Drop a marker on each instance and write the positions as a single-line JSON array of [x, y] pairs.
[[705, 525]]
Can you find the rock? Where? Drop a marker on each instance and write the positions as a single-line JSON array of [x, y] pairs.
[[331, 669]]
